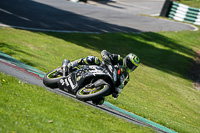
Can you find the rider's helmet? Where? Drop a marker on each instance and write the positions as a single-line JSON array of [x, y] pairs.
[[131, 62], [90, 59]]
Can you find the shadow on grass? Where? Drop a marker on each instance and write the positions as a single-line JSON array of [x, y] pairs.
[[10, 50], [170, 58]]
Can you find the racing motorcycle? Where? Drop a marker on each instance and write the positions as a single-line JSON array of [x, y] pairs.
[[86, 82]]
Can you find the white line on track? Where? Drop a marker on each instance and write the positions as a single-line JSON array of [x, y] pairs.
[[44, 30]]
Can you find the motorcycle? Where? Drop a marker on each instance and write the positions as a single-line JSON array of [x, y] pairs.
[[87, 82]]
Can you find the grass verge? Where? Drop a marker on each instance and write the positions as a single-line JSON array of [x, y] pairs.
[[159, 89], [29, 108], [191, 3]]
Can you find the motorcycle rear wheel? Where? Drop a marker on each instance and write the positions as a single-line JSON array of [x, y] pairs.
[[51, 81], [87, 94]]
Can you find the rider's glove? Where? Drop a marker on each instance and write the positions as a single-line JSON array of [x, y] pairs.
[[102, 64], [106, 59]]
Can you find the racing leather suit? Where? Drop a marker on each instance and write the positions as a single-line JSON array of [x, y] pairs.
[[108, 58], [123, 78]]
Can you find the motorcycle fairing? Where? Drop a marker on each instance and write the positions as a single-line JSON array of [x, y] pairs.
[[68, 83], [82, 77]]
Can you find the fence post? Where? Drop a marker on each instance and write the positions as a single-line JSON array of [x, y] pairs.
[[166, 8]]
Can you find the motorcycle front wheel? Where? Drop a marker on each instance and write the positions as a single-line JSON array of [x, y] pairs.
[[93, 93], [51, 79]]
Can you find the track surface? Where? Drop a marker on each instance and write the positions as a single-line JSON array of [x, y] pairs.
[[68, 16], [148, 7], [13, 67]]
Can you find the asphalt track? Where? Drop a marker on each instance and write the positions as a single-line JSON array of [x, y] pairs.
[[62, 15], [31, 75]]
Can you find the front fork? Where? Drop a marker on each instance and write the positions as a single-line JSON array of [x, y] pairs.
[[65, 66]]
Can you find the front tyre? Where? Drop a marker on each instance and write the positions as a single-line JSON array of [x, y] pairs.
[[52, 78], [93, 93]]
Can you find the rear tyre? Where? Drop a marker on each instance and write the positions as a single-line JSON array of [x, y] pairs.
[[51, 79]]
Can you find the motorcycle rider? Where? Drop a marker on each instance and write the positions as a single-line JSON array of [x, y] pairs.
[[127, 65]]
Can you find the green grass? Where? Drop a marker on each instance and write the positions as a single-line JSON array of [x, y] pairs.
[[29, 108], [158, 90], [191, 3]]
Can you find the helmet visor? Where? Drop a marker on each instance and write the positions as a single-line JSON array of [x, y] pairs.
[[130, 65]]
